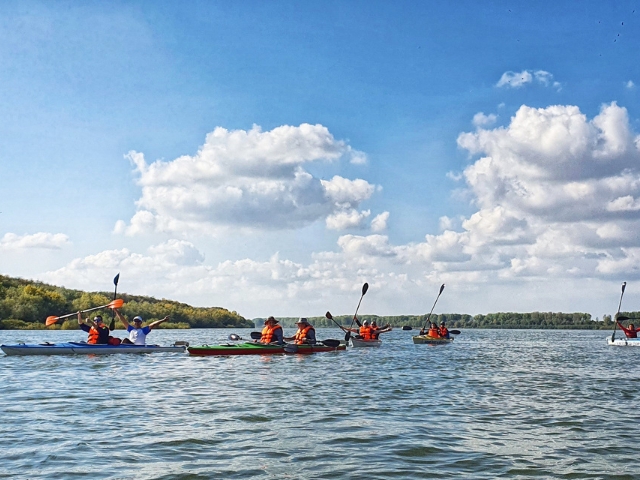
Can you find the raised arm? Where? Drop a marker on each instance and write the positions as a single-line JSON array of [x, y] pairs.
[[158, 322], [121, 318]]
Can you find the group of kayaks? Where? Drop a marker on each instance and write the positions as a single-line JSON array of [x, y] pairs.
[[243, 348]]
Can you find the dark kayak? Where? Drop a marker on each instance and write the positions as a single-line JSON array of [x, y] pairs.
[[78, 348], [259, 349]]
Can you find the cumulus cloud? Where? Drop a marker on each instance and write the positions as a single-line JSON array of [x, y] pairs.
[[249, 180], [52, 241], [518, 80], [630, 85], [379, 223], [482, 120]]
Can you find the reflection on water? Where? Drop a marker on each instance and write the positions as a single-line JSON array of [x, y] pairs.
[[494, 404]]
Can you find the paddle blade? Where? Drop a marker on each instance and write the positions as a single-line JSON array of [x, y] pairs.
[[331, 343], [622, 318], [256, 335], [454, 332], [115, 279], [50, 320], [233, 336], [624, 285], [441, 289], [347, 336], [116, 303], [365, 287], [328, 315], [291, 348]]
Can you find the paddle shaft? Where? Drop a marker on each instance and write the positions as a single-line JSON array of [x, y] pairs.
[[615, 323], [434, 306], [365, 287], [112, 325]]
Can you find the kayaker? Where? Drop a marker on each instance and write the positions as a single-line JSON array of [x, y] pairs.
[[443, 330], [272, 332], [376, 331], [138, 333], [433, 331], [98, 331], [630, 331], [306, 334]]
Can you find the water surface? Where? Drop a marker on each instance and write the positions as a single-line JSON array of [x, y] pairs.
[[494, 404]]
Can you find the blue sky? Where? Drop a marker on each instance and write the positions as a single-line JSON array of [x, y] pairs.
[[270, 157]]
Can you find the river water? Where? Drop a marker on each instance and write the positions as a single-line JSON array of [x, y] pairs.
[[494, 404]]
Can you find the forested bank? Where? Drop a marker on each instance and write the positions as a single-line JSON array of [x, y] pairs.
[[25, 304], [534, 320]]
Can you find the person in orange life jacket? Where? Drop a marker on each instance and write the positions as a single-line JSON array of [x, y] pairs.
[[98, 331], [433, 331], [138, 333], [272, 332], [630, 331], [443, 330], [306, 333], [376, 331], [364, 332]]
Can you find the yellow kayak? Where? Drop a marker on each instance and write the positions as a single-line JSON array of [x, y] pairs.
[[422, 339]]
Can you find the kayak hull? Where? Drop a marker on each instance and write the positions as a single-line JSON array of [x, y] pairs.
[[427, 340], [73, 348], [624, 342], [359, 342], [256, 349]]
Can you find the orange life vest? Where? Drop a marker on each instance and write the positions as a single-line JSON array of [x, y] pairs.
[[301, 335], [94, 335], [366, 333], [433, 332], [443, 331], [267, 333]]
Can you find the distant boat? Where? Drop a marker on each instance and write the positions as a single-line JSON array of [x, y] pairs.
[[407, 327]]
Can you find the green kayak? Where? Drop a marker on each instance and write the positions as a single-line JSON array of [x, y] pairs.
[[259, 349]]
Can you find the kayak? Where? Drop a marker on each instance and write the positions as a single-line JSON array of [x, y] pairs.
[[359, 342], [259, 349], [78, 348], [426, 339], [624, 342]]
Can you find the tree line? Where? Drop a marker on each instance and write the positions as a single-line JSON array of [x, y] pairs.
[[533, 320], [25, 304]]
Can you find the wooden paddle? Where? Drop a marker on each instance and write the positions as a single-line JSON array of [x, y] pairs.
[[434, 305], [114, 304], [347, 335], [615, 324]]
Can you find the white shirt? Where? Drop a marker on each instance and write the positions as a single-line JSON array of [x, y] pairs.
[[138, 335]]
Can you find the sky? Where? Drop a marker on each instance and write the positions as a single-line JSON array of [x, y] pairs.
[[271, 157]]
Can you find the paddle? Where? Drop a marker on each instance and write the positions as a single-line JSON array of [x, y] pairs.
[[293, 348], [114, 304], [454, 332], [623, 318], [233, 336], [613, 335], [347, 335], [434, 305], [330, 317], [112, 325]]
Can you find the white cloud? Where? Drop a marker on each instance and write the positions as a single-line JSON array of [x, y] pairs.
[[347, 219], [518, 80], [630, 85], [251, 180], [379, 223], [482, 120], [52, 241]]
